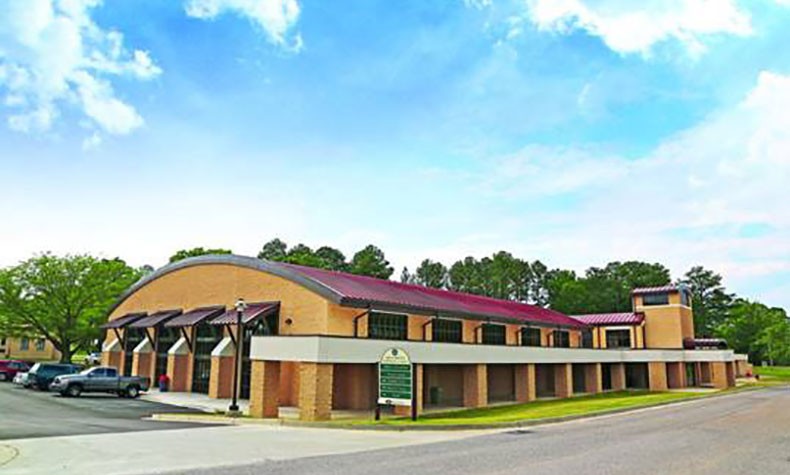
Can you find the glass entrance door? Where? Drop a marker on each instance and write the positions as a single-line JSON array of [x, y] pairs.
[[206, 338]]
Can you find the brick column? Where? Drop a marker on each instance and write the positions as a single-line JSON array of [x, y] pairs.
[[264, 388], [718, 371], [593, 378], [475, 385], [617, 373], [731, 374], [419, 377], [141, 364], [563, 380], [657, 376], [525, 382], [220, 384], [315, 391], [178, 372]]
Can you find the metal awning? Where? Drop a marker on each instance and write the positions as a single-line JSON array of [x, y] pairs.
[[252, 313], [155, 319], [123, 320], [194, 317]]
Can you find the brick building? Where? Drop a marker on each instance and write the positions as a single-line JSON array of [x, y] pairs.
[[312, 339]]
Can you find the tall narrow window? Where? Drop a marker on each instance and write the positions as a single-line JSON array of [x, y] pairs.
[[587, 339], [447, 331], [40, 344], [388, 326], [24, 345], [530, 337], [562, 339]]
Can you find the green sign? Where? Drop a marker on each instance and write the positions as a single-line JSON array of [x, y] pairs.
[[395, 378]]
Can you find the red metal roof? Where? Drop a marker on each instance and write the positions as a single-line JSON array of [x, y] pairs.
[[655, 290], [124, 320], [364, 291], [155, 319], [253, 312], [602, 319], [194, 317]]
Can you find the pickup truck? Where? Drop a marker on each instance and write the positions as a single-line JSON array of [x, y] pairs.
[[101, 379]]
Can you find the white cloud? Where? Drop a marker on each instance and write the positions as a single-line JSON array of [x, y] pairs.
[[54, 56], [275, 17], [681, 204], [636, 27]]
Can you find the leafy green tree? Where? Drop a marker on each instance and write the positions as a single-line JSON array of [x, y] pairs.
[[431, 274], [196, 251], [538, 289], [370, 261], [63, 299], [274, 250], [609, 288], [709, 298], [467, 276], [757, 330], [331, 258], [304, 256]]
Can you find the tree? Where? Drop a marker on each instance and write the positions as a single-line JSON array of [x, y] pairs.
[[710, 300], [370, 261], [303, 255], [274, 250], [196, 251], [538, 284], [406, 277], [757, 330], [467, 276], [431, 274], [331, 258], [63, 299]]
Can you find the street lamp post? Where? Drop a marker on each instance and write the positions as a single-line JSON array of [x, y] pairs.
[[234, 406]]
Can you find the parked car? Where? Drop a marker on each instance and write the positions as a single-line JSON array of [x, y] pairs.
[[93, 359], [22, 379], [101, 379], [9, 369], [41, 375]]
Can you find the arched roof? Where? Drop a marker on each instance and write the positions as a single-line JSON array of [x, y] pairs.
[[367, 292]]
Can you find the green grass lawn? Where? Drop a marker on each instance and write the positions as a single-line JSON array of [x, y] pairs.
[[544, 409], [776, 373]]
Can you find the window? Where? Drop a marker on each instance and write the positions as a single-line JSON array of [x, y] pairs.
[[40, 344], [530, 337], [655, 299], [493, 334], [446, 331], [388, 326], [618, 338], [587, 339], [2, 342], [562, 339], [24, 345], [111, 372]]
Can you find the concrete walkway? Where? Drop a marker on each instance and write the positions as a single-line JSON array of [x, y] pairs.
[[188, 449], [202, 402]]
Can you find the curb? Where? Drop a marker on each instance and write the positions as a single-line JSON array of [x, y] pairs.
[[445, 427]]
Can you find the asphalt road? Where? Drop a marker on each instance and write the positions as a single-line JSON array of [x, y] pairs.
[[28, 413], [746, 433]]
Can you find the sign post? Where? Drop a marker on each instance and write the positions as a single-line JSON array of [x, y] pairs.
[[396, 381]]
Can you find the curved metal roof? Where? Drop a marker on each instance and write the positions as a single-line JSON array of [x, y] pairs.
[[367, 292]]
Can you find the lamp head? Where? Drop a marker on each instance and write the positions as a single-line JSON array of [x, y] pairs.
[[241, 305]]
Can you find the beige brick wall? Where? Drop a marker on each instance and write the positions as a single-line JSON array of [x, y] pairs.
[[315, 391]]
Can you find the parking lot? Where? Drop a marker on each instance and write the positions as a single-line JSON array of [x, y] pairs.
[[26, 413]]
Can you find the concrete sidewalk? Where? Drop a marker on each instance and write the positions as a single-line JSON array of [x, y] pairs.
[[187, 449], [202, 402]]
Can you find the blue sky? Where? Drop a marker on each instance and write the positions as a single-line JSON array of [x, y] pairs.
[[575, 132]]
